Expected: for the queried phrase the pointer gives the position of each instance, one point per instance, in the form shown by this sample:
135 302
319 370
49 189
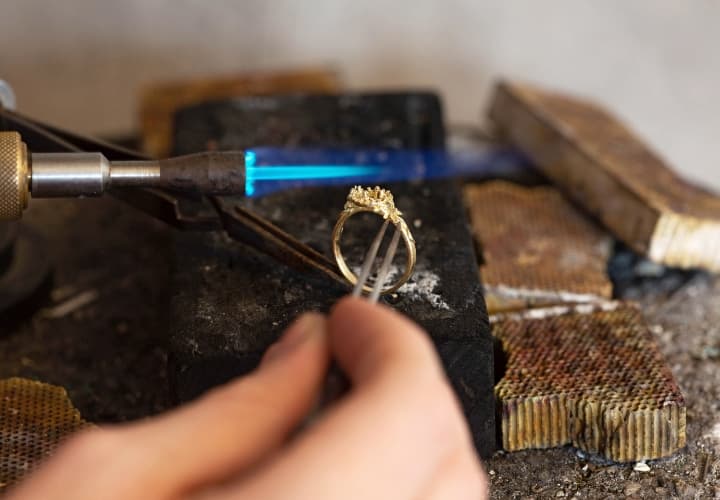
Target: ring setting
377 200
380 202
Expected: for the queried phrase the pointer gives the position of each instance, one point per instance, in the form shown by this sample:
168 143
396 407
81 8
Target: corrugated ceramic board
608 170
34 418
537 248
591 376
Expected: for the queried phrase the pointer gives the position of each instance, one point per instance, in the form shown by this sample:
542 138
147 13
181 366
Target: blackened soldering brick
380 120
231 302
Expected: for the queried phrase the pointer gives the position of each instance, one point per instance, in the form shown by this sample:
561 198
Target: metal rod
134 173
369 259
385 268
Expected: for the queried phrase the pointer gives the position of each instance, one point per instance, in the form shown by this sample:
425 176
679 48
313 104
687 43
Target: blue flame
272 169
249 172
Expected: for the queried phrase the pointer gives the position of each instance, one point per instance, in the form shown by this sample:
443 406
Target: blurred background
81 64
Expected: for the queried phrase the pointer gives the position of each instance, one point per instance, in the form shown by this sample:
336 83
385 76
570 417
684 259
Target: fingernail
304 328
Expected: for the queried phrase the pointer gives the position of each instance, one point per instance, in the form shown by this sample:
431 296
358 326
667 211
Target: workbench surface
110 354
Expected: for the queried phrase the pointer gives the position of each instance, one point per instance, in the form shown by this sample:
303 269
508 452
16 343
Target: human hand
398 434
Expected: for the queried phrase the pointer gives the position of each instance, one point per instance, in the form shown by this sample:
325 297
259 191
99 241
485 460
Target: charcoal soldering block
231 302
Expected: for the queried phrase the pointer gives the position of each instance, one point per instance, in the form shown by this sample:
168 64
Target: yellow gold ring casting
378 201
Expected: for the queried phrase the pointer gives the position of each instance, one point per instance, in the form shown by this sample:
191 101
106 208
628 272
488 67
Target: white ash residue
422 287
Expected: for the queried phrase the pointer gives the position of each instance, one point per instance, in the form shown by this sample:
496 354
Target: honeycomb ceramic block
590 376
606 168
537 248
34 418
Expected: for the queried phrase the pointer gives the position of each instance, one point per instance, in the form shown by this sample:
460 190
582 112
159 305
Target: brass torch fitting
13 175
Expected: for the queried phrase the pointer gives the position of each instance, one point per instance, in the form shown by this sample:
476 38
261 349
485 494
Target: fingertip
311 320
353 310
348 303
367 337
308 326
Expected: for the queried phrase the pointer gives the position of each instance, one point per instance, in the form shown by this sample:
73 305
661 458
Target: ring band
380 202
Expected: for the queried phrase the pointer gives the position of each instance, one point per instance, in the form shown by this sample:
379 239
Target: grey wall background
80 63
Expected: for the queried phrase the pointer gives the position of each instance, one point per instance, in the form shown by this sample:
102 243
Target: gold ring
378 201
